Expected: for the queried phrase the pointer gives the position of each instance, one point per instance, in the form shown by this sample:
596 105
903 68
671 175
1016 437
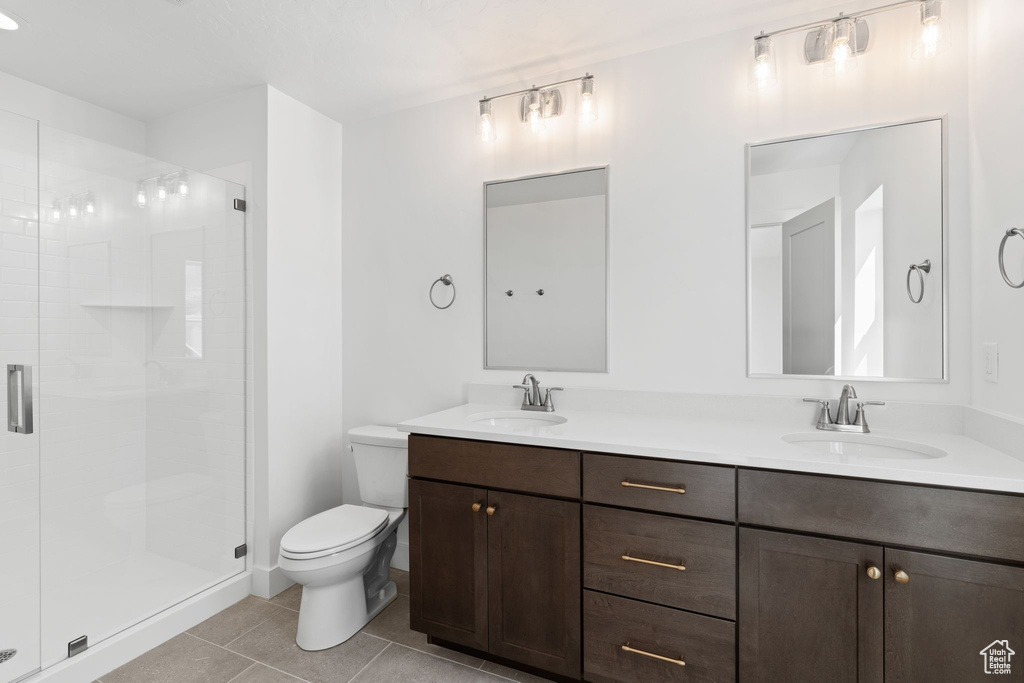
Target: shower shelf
127 306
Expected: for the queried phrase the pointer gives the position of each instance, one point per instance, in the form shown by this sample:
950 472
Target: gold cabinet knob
874 573
477 506
491 509
901 576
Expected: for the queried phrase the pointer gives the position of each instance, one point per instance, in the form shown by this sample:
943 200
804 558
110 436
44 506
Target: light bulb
485 127
56 213
536 122
140 197
183 184
588 104
161 190
90 205
843 34
934 36
763 75
533 112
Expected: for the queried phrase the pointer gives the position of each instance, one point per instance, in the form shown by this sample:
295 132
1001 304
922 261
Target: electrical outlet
991 362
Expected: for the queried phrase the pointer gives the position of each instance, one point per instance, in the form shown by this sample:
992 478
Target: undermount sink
865 447
517 419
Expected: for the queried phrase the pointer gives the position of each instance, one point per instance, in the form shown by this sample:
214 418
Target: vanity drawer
709 491
961 522
705 644
547 471
706 550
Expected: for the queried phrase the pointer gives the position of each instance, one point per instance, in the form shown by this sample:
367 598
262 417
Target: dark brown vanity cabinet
940 623
492 570
815 608
610 568
809 609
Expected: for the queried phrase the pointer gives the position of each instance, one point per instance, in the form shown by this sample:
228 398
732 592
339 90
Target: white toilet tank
382 465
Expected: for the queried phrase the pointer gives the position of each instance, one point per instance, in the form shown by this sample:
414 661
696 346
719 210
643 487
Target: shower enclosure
122 338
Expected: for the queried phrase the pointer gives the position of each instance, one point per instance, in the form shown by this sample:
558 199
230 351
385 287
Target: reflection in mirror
546 278
845 243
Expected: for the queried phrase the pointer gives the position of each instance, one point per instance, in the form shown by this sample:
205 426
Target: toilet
342 557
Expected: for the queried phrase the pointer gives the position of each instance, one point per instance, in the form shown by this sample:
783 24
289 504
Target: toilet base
326 617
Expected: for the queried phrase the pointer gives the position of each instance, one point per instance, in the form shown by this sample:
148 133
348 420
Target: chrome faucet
843 410
531 395
842 422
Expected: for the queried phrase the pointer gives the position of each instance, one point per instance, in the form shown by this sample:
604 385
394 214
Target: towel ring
1002 259
920 269
447 281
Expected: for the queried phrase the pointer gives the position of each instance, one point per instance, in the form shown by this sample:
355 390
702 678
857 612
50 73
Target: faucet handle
526 393
860 419
825 416
548 403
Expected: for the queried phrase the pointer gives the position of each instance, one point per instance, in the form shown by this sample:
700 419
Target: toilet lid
333 531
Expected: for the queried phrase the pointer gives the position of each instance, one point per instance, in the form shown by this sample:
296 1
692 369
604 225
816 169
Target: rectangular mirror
546 280
845 255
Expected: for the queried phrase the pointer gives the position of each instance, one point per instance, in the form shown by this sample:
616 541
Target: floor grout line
251 659
225 645
371 661
445 659
239 673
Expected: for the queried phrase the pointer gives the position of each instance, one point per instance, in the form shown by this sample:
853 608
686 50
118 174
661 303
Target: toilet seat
333 531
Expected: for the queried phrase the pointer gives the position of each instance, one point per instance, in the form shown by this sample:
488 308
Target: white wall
67 113
997 203
304 341
673 124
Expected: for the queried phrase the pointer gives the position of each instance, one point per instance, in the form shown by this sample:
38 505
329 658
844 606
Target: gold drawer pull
627 648
628 558
652 487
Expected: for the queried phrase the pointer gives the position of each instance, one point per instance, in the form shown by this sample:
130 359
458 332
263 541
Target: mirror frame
607 268
944 141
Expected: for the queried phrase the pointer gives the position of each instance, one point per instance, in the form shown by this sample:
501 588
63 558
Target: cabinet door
533 551
448 562
808 609
952 620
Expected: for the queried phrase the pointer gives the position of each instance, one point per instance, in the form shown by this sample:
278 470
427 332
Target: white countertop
750 443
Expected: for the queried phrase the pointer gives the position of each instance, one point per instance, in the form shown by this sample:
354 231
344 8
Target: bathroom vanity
603 566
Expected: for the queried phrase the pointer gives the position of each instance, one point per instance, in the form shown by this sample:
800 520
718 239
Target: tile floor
253 641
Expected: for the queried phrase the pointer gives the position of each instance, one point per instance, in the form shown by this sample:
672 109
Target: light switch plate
991 362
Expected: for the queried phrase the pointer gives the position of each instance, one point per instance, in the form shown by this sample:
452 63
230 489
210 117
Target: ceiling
345 58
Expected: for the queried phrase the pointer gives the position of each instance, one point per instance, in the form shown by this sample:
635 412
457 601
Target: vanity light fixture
531 107
537 104
485 127
763 74
587 109
163 186
837 42
934 36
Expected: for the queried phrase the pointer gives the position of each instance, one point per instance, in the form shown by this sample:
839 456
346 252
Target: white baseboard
111 653
400 560
266 583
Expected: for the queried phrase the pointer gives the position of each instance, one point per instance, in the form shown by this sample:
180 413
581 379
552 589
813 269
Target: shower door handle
19 399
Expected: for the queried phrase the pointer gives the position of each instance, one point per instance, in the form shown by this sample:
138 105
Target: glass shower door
142 387
19 357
